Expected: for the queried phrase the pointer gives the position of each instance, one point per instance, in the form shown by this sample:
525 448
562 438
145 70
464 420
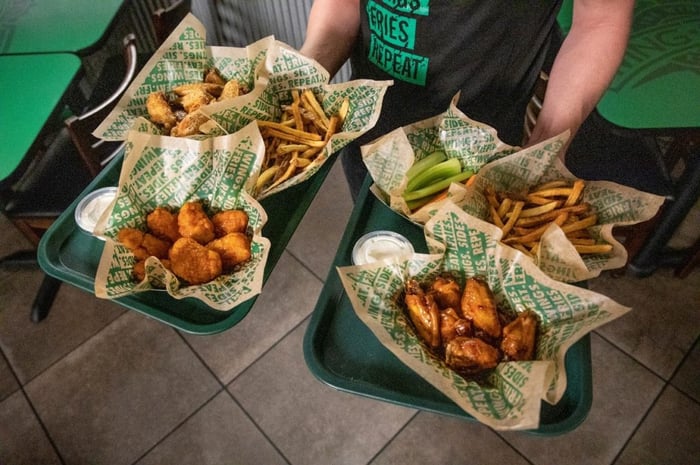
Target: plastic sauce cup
91 208
381 246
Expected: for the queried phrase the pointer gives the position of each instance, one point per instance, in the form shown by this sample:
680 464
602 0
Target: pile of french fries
524 218
297 139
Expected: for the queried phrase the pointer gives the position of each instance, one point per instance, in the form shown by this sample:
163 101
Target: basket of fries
564 224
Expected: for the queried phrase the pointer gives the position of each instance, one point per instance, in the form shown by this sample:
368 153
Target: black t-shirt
490 51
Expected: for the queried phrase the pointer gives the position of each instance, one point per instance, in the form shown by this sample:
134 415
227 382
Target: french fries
297 139
524 218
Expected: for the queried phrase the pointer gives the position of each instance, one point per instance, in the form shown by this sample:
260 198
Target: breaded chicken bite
193 262
163 223
194 223
143 245
229 221
234 249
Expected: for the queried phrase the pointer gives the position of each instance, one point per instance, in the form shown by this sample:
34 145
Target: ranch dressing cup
92 207
381 246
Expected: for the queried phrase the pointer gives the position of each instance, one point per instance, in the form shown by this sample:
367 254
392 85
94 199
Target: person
491 52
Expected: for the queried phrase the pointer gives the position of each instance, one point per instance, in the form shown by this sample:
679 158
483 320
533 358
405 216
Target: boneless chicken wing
229 221
143 244
234 249
193 262
194 223
163 223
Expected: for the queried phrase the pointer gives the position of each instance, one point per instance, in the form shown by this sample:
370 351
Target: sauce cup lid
91 208
381 246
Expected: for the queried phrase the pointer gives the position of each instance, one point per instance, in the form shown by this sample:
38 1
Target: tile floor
97 384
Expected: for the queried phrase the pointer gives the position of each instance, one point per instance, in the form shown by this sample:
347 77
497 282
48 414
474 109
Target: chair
166 19
96 153
56 177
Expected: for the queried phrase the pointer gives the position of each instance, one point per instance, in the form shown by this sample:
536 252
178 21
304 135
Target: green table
29 99
42 26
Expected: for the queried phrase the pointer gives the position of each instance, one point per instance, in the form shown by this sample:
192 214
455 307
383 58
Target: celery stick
433 174
436 186
426 162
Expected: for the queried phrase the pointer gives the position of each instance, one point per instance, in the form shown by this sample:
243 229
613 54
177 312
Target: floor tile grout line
257 426
642 364
175 428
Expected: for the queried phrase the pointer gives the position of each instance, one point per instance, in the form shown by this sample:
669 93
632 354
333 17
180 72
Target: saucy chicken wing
453 325
194 223
193 262
423 312
159 110
471 355
518 342
478 305
446 291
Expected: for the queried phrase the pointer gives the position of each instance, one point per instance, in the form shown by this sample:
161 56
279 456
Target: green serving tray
343 353
71 255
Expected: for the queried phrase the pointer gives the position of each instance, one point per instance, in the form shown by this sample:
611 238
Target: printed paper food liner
511 169
389 157
269 68
510 398
182 58
615 205
169 171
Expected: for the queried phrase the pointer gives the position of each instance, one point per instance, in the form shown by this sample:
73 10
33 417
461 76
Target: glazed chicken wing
159 110
194 223
470 355
423 312
234 249
189 125
229 221
193 262
446 291
518 342
478 305
163 223
453 325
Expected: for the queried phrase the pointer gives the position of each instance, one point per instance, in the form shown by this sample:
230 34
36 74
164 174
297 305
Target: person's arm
333 26
585 65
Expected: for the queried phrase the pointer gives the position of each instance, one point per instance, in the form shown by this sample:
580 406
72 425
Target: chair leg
44 298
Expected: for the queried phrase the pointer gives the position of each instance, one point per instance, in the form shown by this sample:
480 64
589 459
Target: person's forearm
331 32
584 67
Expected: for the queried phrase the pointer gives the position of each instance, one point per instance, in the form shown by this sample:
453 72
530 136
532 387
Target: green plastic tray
69 254
343 353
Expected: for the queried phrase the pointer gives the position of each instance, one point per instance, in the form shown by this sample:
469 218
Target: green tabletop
658 83
29 93
40 26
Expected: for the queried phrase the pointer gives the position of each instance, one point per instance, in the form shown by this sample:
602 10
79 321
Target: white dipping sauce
91 208
381 246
